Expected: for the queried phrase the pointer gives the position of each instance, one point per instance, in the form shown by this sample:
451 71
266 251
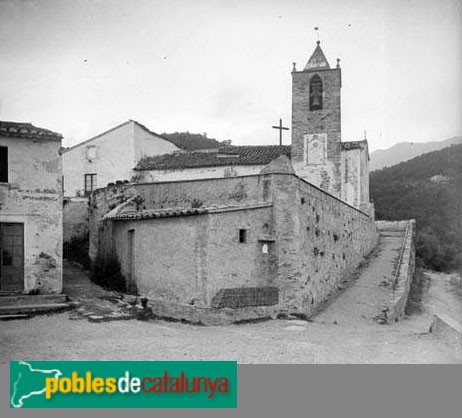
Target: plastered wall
33 197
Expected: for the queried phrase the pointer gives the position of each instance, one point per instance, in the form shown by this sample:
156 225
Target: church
318 154
241 233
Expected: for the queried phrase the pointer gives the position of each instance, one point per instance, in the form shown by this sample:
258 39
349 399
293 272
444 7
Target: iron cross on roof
281 128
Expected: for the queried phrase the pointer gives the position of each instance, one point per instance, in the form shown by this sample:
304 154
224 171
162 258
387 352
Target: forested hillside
405 151
429 189
189 141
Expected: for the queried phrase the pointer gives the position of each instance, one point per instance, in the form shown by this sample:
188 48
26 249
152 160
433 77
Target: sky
80 67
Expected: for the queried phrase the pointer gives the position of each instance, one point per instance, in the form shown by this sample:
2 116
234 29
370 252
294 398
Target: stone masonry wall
75 218
187 194
320 240
405 269
33 197
312 239
326 121
149 176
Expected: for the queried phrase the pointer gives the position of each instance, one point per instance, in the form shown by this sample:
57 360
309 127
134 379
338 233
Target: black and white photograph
264 182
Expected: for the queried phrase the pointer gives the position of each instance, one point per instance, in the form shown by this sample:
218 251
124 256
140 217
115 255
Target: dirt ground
334 336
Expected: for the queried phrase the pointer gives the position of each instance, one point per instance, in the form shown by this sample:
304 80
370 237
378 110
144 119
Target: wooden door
11 257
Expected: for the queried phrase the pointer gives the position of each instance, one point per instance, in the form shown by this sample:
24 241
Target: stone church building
318 155
263 231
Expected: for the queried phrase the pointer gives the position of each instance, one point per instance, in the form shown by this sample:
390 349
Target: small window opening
243 236
3 164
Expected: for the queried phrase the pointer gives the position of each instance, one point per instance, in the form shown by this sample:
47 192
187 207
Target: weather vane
316 29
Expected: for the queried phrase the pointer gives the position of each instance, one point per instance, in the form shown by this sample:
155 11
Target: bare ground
342 333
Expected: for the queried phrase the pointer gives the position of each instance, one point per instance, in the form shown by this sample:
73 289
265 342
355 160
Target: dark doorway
11 257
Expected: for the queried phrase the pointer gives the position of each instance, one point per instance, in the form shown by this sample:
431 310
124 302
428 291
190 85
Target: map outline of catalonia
20 402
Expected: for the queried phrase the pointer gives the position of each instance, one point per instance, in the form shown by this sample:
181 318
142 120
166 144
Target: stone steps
26 300
13 316
6 312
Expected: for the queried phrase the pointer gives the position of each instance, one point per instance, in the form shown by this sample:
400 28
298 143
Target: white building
106 158
110 157
30 210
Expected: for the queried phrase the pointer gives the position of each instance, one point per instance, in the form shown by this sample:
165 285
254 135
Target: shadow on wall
106 273
76 250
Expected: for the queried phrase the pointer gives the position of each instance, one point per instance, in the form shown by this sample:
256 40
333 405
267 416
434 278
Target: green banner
123 384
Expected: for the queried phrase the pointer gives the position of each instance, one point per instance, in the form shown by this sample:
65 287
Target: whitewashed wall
116 153
149 176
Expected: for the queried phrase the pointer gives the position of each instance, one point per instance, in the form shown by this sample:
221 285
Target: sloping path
363 299
279 341
77 285
444 295
94 302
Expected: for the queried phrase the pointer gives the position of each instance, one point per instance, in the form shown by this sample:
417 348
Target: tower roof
317 60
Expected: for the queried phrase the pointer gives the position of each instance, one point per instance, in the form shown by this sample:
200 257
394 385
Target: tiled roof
160 213
232 155
27 130
176 212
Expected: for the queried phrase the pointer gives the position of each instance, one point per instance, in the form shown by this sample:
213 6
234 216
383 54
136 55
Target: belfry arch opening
316 93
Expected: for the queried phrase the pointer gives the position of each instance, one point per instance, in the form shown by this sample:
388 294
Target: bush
77 250
406 191
106 273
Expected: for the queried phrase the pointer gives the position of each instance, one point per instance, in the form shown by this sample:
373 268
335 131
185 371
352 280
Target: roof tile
27 130
232 155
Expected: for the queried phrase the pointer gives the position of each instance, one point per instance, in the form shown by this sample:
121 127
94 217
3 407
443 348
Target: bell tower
316 130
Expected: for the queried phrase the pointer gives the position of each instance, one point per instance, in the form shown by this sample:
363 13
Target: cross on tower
280 128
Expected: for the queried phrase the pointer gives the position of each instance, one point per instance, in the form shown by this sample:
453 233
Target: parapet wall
405 270
449 330
392 225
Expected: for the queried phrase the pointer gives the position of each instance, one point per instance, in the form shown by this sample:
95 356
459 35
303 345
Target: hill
191 142
407 150
429 189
